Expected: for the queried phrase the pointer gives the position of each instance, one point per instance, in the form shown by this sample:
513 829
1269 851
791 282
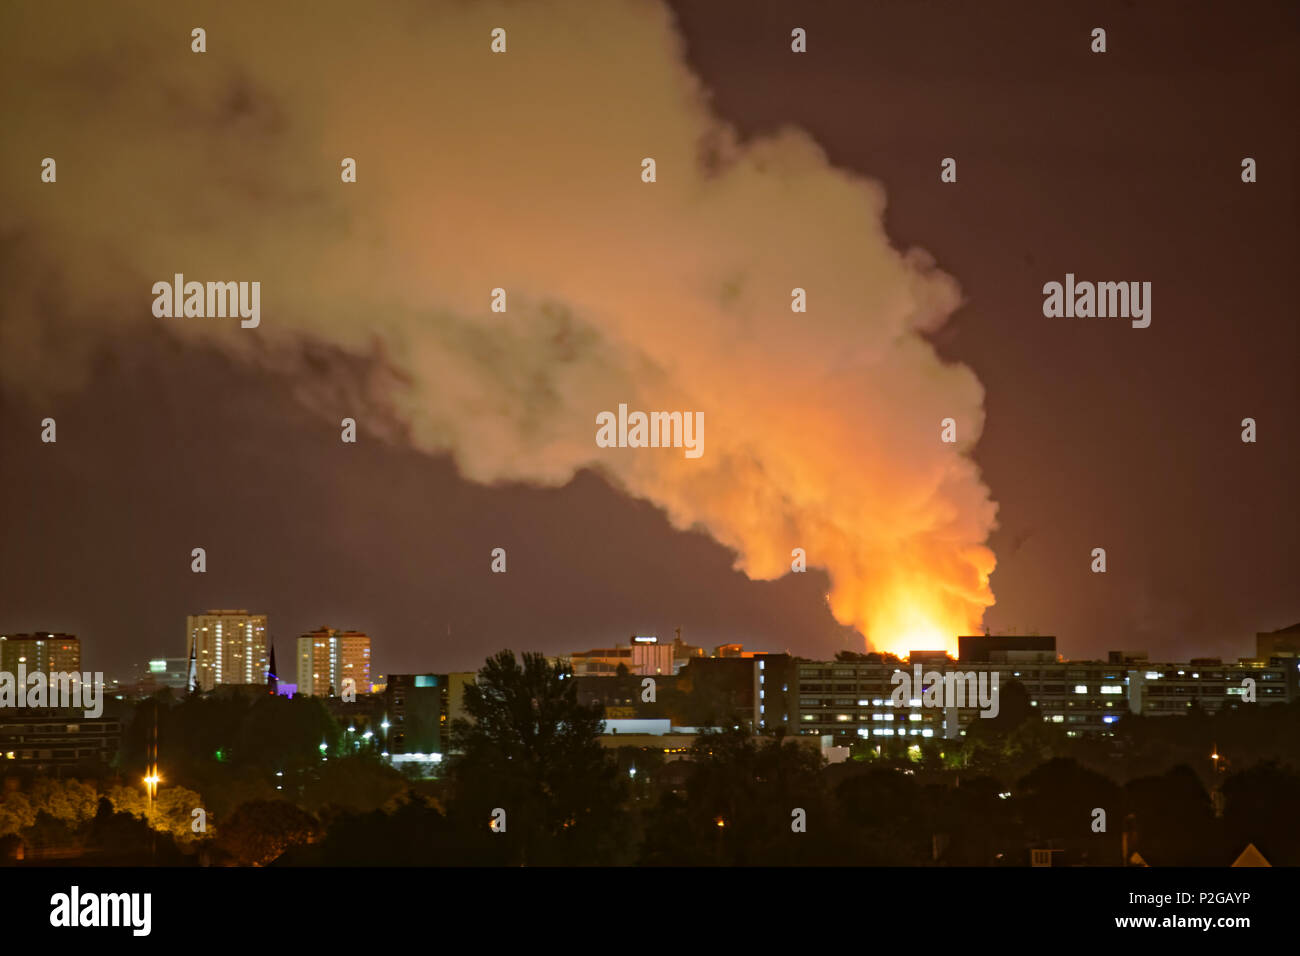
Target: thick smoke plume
520 171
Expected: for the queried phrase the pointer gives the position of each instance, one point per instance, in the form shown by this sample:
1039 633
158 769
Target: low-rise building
643 656
57 741
860 698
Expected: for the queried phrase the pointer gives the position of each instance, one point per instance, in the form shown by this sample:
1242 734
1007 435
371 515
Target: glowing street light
151 781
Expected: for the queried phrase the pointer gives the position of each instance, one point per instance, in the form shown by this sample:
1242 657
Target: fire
920 615
925 635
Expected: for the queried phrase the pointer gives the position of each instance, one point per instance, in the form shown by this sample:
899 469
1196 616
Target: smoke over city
520 172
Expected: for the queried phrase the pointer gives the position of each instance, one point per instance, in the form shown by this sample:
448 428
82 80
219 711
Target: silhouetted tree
738 807
1261 806
258 832
1174 820
1057 802
412 833
121 838
533 751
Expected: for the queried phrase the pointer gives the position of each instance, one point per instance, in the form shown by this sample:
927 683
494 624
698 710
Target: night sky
1122 166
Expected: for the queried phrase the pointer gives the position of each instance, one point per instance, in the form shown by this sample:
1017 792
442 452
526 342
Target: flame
921 614
920 634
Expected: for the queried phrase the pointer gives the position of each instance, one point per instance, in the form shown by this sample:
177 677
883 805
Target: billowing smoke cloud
520 171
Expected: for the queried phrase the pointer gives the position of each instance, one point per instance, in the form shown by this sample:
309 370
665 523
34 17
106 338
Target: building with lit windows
57 741
47 653
644 656
776 692
229 646
326 658
848 700
160 672
415 727
1160 689
856 699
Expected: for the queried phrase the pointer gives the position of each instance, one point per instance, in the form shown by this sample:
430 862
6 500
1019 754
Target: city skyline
352 649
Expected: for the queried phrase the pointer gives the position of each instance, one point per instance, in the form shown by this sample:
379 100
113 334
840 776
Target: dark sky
1123 166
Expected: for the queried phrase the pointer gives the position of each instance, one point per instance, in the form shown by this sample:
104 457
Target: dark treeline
279 781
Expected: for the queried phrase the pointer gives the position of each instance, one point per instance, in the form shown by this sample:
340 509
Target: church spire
194 666
272 682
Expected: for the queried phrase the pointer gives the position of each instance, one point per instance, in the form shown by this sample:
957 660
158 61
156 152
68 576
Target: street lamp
151 777
151 782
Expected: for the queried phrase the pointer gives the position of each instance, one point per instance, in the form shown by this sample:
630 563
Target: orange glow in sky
913 620
916 628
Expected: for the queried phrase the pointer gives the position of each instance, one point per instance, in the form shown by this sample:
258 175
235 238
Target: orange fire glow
924 613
